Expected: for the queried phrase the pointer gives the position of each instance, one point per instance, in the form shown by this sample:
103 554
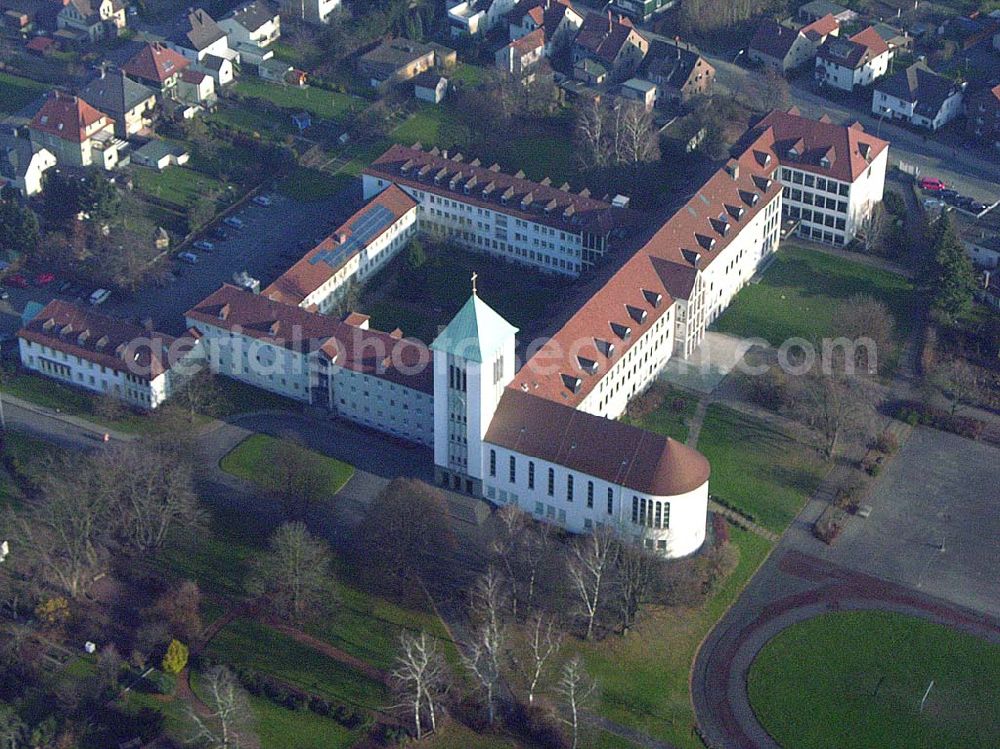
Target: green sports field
855 680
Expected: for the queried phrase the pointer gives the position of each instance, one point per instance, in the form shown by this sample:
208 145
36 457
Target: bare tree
230 724
149 493
591 134
420 678
576 689
635 576
489 597
509 527
872 227
960 382
766 90
200 394
301 478
590 561
868 324
835 404
637 142
543 641
295 572
483 656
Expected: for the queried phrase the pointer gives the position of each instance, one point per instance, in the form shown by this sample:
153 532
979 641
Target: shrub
887 443
176 657
914 412
162 683
720 529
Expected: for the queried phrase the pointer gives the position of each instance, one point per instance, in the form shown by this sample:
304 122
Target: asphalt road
271 240
970 172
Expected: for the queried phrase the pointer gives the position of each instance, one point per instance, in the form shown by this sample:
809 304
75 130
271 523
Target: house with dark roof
76 133
642 11
91 20
558 20
401 60
848 63
982 117
106 355
203 42
157 66
678 70
22 166
784 48
430 87
252 28
129 103
611 41
919 96
816 9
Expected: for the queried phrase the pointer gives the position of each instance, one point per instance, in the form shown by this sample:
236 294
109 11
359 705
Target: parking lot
271 239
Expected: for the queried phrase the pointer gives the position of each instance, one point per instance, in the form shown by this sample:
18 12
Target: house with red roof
156 65
76 133
611 42
784 48
848 63
522 55
558 20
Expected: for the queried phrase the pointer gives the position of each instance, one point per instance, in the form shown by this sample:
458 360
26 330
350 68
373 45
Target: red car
17 281
932 184
44 279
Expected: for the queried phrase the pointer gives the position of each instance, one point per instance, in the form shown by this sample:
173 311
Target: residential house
784 49
129 103
40 46
832 175
401 60
817 9
678 70
848 63
919 96
522 55
982 246
475 17
643 93
641 10
16 22
311 11
982 112
968 31
611 41
106 355
202 41
76 133
158 66
252 28
22 166
558 19
196 88
895 38
91 20
430 87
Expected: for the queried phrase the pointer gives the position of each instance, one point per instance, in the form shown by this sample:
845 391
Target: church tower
473 363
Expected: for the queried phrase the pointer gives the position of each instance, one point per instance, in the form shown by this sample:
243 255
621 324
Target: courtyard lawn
177 185
672 418
326 105
249 461
644 677
432 125
306 184
467 74
855 680
250 644
16 93
757 469
799 294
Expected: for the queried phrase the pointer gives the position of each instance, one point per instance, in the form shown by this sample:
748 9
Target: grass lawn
644 677
253 645
176 184
305 184
432 125
252 121
854 680
799 294
249 461
467 74
672 418
326 105
16 92
758 469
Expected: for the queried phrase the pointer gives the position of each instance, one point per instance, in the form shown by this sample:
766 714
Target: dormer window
572 383
48 324
636 313
824 162
654 298
624 332
605 347
587 365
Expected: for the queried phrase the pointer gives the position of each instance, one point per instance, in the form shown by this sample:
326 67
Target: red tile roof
308 274
155 62
433 171
871 39
821 27
40 44
68 117
529 42
844 147
606 449
371 352
855 52
662 270
106 341
603 36
547 14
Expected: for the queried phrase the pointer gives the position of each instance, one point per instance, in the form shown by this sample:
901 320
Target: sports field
856 680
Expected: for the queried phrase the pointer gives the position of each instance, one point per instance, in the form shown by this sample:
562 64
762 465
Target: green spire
475 333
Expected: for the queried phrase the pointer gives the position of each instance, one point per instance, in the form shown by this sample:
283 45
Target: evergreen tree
18 225
176 657
416 256
952 277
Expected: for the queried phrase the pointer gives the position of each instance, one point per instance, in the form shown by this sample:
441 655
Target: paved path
743 520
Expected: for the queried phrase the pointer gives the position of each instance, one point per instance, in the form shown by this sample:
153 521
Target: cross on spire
474 277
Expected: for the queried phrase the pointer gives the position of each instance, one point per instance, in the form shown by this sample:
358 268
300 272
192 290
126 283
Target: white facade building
919 96
474 17
849 63
105 355
22 166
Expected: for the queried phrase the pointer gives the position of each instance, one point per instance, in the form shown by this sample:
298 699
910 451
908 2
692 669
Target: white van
99 297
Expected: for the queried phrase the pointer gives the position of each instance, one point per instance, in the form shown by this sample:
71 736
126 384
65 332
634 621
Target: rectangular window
552 482
611 501
666 515
531 474
493 462
635 510
513 469
590 494
569 488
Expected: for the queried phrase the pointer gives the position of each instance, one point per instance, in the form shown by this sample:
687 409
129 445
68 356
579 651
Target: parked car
99 296
65 287
44 279
233 222
17 281
4 295
947 194
204 245
220 234
932 184
188 257
932 203
975 207
264 200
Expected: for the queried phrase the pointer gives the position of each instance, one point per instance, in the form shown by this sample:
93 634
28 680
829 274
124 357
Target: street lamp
878 130
738 55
